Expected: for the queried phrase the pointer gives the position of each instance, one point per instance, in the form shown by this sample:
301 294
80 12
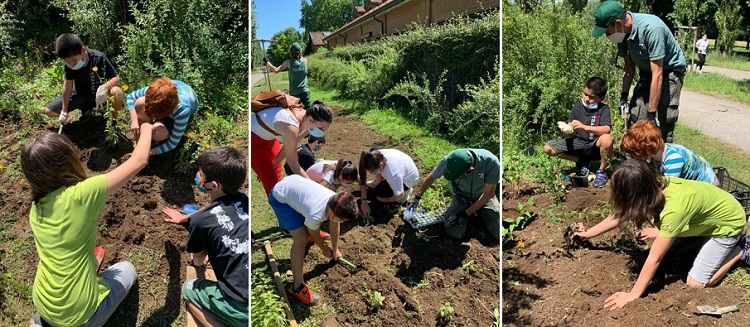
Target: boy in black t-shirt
306 153
591 120
219 231
89 80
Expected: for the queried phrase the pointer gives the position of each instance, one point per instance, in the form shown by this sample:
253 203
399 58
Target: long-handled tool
265 68
279 284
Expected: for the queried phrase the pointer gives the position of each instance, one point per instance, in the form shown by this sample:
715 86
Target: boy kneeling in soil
592 122
84 86
220 231
474 175
679 208
301 205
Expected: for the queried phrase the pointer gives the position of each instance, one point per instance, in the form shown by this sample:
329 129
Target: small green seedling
446 312
469 267
367 220
376 300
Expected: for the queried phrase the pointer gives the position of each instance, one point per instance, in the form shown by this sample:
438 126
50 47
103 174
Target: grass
718 85
716 152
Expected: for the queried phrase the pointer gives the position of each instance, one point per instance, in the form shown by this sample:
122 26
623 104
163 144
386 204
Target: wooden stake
279 284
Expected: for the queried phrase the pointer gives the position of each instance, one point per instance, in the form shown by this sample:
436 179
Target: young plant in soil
445 313
376 300
469 267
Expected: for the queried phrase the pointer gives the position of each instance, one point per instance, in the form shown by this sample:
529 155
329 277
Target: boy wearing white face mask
591 120
89 80
647 43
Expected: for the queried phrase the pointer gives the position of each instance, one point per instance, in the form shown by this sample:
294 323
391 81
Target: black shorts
83 102
169 124
576 147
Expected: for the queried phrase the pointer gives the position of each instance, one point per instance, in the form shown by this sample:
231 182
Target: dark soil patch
545 285
131 228
415 274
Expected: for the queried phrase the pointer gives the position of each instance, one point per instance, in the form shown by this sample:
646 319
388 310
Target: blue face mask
592 106
317 132
199 184
316 148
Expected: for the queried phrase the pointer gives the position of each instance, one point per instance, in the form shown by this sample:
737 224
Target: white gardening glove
63 118
101 96
564 127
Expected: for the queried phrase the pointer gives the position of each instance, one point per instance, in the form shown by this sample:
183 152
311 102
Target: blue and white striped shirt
188 105
681 162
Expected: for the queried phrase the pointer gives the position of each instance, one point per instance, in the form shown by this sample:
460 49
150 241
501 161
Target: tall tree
728 20
256 51
280 42
325 15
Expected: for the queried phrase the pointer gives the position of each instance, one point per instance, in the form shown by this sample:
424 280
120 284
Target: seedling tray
738 189
422 218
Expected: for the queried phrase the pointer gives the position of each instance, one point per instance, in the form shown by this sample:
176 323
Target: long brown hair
637 193
368 161
49 162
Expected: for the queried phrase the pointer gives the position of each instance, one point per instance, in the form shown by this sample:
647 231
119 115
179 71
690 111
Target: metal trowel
714 311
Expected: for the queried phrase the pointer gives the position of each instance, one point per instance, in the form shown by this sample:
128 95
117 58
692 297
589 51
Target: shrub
267 309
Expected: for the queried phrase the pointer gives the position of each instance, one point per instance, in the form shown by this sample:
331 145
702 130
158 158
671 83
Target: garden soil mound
415 274
132 227
545 285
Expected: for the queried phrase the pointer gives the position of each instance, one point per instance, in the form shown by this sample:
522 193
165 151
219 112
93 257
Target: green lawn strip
739 59
716 84
716 152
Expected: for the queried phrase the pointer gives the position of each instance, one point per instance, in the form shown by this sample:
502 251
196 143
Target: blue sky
275 15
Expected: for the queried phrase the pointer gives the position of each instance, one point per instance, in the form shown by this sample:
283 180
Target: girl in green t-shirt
64 210
678 208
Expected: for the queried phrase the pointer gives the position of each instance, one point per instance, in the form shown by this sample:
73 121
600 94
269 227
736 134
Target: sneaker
582 167
601 178
323 234
85 115
745 247
304 295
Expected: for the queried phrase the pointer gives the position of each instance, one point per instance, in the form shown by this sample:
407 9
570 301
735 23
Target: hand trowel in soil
714 311
346 262
99 254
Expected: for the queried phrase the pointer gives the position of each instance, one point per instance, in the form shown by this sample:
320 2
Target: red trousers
263 154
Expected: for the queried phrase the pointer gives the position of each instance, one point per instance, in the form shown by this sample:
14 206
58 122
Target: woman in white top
276 125
332 173
394 167
702 45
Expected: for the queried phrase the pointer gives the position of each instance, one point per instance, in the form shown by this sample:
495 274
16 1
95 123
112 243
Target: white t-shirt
316 173
702 46
399 170
305 196
269 117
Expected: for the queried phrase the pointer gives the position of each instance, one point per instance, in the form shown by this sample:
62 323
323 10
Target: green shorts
207 296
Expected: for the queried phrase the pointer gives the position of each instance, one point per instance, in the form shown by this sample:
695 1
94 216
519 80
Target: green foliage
728 20
443 77
512 223
200 42
469 267
267 305
95 21
256 51
278 51
324 15
8 26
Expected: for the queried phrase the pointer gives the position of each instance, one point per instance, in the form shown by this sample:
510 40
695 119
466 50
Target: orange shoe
305 295
323 234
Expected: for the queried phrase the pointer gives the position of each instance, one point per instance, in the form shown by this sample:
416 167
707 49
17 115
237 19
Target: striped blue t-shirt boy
680 161
187 106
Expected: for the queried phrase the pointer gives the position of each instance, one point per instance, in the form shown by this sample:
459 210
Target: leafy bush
444 77
7 26
267 310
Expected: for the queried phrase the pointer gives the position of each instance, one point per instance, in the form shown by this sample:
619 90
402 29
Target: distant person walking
702 46
652 48
297 66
